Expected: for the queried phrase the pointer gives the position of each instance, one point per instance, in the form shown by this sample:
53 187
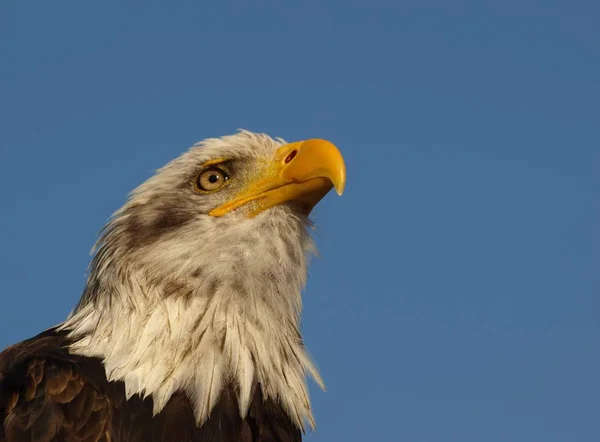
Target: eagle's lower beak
301 172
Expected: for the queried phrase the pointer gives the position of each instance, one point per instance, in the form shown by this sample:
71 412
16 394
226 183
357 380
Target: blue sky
457 298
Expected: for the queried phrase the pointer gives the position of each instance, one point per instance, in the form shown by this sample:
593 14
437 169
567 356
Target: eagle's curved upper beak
302 172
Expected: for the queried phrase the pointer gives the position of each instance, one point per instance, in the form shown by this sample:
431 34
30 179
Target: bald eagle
188 326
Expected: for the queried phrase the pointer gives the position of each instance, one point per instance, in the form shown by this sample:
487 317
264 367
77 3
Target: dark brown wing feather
47 394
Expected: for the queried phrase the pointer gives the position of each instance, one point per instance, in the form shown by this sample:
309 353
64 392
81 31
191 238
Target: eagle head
195 282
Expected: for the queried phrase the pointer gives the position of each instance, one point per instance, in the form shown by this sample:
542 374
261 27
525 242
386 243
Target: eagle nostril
291 156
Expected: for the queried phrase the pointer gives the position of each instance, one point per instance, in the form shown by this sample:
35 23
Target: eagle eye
211 179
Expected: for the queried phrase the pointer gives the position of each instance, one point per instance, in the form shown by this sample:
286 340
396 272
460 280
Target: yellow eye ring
211 179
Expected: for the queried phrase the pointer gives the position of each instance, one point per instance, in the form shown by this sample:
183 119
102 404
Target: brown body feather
48 394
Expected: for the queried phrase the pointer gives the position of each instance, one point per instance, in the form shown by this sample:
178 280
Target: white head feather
178 300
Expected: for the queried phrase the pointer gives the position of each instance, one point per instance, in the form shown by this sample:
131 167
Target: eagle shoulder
48 394
45 394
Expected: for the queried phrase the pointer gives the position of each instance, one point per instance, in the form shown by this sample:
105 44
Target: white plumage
218 302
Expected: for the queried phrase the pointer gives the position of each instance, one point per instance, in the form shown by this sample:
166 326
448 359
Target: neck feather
167 322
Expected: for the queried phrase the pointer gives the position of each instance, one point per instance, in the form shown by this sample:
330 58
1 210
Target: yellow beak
302 172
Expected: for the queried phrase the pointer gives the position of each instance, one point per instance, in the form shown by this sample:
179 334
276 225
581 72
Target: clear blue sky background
458 294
